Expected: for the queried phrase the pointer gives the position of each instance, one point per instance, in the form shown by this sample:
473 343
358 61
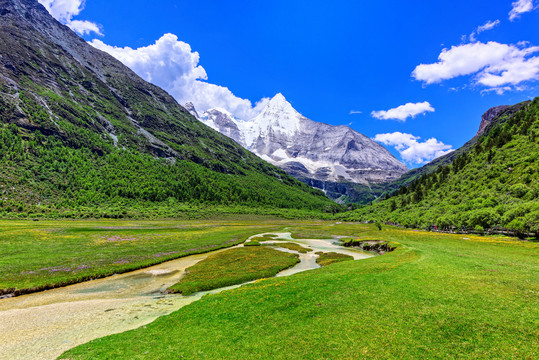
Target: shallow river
43 325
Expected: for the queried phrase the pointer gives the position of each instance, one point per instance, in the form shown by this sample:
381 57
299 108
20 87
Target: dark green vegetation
231 267
294 247
380 247
437 296
325 259
82 135
502 113
494 184
37 256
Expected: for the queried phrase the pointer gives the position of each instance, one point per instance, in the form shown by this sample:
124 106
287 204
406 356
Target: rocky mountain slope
80 128
341 161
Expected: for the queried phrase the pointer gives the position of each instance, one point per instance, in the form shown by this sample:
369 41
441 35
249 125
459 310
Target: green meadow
325 259
294 247
46 254
437 296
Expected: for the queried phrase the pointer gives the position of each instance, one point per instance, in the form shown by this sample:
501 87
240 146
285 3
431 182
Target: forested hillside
494 184
79 129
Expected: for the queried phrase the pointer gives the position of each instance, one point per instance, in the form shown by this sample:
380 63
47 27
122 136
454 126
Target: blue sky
331 58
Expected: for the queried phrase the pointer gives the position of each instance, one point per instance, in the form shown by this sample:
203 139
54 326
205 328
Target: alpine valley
132 227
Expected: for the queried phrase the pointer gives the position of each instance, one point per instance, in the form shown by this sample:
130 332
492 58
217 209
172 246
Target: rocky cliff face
316 153
488 116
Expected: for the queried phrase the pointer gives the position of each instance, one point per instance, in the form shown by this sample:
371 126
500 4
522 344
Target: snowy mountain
322 155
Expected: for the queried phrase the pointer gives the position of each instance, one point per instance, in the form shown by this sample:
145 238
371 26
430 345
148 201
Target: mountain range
347 165
83 135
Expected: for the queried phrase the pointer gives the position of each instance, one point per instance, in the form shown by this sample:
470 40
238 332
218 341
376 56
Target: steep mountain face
336 159
58 92
488 116
225 122
490 183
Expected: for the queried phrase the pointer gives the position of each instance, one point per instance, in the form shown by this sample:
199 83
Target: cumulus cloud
412 150
520 7
493 64
65 10
171 64
403 112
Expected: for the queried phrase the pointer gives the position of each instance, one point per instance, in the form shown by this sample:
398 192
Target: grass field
235 266
294 247
46 254
325 259
436 296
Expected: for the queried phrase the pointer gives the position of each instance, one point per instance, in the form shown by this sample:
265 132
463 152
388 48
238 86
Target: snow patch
280 154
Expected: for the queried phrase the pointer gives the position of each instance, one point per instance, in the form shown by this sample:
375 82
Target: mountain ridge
493 117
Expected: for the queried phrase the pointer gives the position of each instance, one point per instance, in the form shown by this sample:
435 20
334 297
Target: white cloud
501 90
84 27
489 25
520 7
514 72
403 112
354 112
172 65
413 151
64 10
493 64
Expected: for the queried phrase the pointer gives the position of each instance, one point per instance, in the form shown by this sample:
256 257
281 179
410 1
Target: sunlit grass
437 296
329 258
41 255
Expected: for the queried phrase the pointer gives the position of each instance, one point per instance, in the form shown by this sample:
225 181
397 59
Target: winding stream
43 325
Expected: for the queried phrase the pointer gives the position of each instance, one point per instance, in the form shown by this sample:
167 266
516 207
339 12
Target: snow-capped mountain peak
314 152
277 116
279 103
225 122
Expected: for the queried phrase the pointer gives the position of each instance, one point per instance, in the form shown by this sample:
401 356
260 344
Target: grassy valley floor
47 254
435 296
